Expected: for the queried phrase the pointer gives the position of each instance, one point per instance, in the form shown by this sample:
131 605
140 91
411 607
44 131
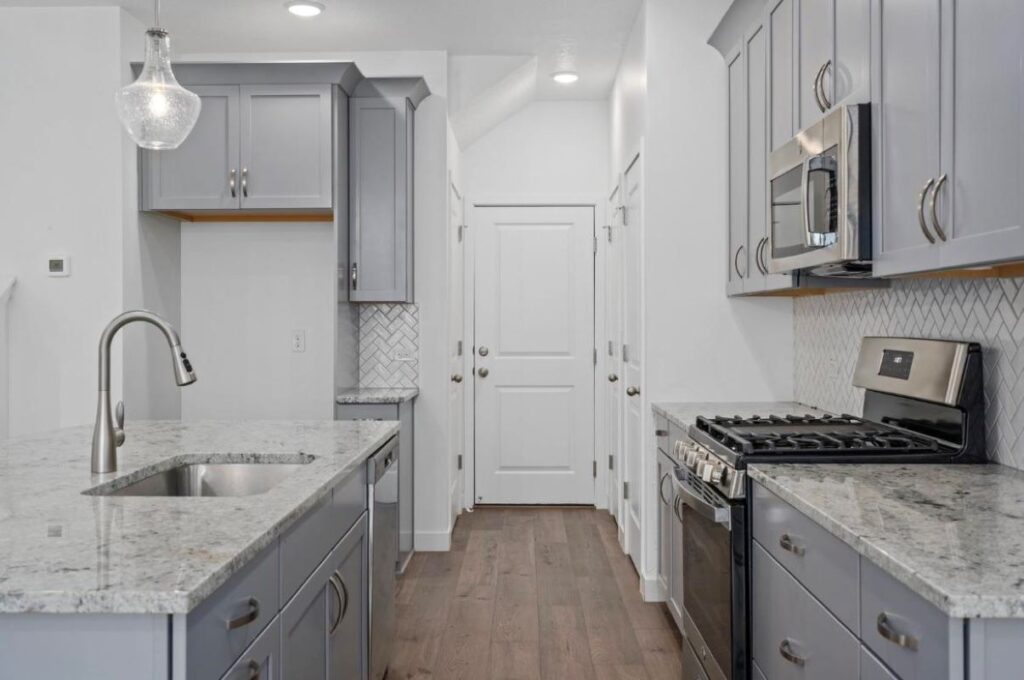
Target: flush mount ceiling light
157 112
565 77
304 8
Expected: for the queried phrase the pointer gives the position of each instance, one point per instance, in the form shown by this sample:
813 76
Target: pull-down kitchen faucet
108 433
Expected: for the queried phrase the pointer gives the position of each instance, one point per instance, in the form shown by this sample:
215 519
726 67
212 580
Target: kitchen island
118 584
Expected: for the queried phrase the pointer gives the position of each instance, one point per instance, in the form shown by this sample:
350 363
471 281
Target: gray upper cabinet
287 146
980 205
949 101
779 24
738 232
380 199
199 174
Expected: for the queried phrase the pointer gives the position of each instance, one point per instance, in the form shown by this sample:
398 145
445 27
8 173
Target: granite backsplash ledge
828 330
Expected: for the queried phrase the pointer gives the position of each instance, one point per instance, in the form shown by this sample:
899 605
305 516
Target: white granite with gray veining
65 552
377 395
953 534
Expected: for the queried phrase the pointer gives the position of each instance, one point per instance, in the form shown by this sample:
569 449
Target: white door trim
601 217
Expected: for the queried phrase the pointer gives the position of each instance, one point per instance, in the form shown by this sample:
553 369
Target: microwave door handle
805 182
714 513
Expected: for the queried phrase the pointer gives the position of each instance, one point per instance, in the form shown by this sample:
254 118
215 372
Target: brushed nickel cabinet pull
736 261
255 670
231 183
355 276
786 543
248 617
661 488
920 210
245 182
904 640
935 216
817 89
786 650
825 103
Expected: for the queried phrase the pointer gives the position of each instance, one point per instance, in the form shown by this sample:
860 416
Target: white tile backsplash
389 352
828 330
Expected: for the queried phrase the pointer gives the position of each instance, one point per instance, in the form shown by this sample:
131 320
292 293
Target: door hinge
459 460
625 490
609 228
595 356
611 348
458 348
459 231
595 245
625 354
595 469
611 461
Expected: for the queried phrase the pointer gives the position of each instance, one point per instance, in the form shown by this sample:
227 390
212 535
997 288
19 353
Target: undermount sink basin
209 479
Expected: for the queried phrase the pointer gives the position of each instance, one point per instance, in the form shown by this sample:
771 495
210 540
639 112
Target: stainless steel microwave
819 197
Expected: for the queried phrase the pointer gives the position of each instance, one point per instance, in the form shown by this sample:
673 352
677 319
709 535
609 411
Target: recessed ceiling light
304 8
565 77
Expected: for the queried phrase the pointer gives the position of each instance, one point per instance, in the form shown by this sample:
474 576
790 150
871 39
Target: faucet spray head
183 373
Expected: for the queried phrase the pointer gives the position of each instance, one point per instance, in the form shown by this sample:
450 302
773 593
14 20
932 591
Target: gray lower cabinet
403 413
670 532
262 661
254 147
348 638
380 199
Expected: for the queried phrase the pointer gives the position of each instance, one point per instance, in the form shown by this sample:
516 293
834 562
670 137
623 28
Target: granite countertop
953 534
377 395
65 552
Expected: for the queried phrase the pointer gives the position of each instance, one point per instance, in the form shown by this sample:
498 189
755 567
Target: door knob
484 351
632 391
483 372
613 378
456 378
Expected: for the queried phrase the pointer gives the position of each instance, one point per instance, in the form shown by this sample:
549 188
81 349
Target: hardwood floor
529 593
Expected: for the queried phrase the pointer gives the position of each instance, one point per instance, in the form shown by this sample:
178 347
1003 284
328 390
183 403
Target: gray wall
828 330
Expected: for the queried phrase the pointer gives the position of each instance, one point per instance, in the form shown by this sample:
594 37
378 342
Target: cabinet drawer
308 542
262 659
911 636
794 637
249 599
873 669
661 433
821 562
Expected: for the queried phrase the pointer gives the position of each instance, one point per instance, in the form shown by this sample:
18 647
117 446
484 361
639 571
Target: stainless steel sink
209 479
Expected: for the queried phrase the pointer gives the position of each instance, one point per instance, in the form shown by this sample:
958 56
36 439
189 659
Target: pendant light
157 112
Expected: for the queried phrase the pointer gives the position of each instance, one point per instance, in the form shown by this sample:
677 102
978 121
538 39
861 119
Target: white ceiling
583 35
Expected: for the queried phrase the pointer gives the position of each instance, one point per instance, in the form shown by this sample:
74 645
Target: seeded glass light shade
157 112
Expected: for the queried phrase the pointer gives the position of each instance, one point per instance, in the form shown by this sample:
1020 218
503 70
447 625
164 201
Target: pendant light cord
156 12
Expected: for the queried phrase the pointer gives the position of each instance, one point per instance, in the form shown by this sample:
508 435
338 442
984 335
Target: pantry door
534 361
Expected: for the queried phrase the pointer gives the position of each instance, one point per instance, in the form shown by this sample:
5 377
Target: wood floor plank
531 593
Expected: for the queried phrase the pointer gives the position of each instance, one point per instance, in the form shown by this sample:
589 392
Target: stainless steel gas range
923 403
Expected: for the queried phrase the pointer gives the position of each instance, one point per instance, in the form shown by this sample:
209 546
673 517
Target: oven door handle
702 507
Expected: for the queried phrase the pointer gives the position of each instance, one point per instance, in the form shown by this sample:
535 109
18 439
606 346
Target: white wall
63 175
245 286
556 149
699 345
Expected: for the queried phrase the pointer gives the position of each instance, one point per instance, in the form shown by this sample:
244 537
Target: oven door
714 578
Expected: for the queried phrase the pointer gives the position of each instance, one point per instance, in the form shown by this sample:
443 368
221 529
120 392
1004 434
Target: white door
612 383
534 316
632 346
456 348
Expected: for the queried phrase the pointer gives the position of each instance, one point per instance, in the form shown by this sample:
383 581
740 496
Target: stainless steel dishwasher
383 480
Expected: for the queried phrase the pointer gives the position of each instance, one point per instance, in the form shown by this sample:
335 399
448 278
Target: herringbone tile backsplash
389 352
828 330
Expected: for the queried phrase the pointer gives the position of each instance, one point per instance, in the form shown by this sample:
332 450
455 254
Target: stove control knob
717 474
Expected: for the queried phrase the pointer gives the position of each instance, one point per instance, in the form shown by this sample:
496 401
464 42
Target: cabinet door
738 252
907 134
984 89
757 157
304 625
779 23
287 146
348 613
262 660
815 48
380 176
664 524
675 580
849 80
198 174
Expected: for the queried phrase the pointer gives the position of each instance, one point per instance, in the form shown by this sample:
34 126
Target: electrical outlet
403 355
299 341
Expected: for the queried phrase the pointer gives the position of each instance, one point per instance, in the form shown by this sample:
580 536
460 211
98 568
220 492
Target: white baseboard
433 541
651 590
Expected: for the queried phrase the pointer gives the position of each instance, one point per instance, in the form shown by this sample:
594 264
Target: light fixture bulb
565 77
304 8
157 112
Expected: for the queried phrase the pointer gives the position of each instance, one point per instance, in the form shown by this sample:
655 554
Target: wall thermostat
58 265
